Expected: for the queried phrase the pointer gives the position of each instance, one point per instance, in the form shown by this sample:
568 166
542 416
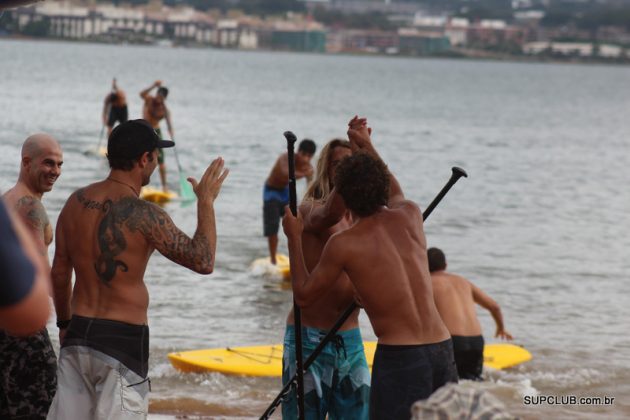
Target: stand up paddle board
267 360
155 195
263 266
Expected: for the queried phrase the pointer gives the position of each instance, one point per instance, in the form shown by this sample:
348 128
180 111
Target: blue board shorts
337 384
274 202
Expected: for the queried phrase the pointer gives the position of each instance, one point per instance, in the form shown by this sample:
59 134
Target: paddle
456 174
185 189
297 313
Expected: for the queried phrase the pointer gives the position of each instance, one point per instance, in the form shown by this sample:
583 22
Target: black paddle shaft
455 175
297 313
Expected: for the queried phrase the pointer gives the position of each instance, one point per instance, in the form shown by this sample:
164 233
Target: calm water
541 224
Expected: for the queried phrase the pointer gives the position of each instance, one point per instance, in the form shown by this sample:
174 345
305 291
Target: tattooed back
104 234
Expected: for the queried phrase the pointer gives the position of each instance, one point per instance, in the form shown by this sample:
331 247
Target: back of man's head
307 146
437 259
163 91
363 183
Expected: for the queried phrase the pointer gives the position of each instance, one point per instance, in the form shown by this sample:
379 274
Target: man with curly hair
384 254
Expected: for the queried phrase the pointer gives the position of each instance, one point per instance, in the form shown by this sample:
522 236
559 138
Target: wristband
63 324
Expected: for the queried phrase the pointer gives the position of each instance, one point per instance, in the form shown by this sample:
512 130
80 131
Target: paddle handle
297 313
291 139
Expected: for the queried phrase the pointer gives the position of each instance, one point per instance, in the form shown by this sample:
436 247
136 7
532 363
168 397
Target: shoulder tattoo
33 213
154 224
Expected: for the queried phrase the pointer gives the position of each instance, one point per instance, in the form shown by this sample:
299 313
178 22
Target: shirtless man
384 255
154 110
31 360
455 298
276 191
337 384
114 108
106 234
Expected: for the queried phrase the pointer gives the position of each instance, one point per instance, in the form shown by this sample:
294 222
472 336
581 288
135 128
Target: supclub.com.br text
566 400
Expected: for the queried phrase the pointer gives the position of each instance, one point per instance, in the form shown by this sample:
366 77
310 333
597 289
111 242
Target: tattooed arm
196 253
34 216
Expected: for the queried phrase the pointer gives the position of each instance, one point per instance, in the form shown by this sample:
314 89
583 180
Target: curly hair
363 183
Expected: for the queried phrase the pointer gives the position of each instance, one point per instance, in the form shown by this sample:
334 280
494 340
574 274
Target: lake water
542 223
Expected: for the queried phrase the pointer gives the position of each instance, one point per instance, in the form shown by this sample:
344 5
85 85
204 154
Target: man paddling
455 298
276 190
106 234
384 255
154 110
337 384
114 108
29 364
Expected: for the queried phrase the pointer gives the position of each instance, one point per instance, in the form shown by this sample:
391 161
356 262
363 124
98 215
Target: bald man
28 366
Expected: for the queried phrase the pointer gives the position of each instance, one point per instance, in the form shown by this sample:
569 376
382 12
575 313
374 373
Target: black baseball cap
134 137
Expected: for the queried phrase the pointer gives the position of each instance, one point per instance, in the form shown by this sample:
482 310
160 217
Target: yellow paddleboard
504 355
155 195
267 360
263 266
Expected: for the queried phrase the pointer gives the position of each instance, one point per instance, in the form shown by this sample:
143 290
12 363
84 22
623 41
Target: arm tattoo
154 224
33 213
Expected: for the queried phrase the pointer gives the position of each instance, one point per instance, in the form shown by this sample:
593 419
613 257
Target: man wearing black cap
106 234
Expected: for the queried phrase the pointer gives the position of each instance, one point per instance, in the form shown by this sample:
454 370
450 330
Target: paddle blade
185 189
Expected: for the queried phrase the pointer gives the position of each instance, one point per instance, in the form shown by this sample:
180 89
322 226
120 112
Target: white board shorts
93 385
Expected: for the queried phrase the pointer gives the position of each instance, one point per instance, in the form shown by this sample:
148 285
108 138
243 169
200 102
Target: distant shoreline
455 54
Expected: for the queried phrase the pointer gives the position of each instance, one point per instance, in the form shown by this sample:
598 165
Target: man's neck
129 178
23 188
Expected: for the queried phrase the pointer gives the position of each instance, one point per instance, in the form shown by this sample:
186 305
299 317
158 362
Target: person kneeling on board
106 234
384 255
455 298
338 382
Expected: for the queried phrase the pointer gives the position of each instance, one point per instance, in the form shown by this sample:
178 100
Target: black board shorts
127 343
119 114
404 374
468 356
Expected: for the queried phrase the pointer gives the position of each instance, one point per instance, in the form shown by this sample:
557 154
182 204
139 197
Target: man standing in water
455 298
154 110
384 255
106 234
29 365
114 108
276 190
337 384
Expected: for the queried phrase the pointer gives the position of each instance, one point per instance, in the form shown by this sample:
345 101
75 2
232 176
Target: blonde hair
319 189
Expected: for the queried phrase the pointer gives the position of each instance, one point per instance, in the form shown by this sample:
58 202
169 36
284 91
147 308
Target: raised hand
359 134
210 184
